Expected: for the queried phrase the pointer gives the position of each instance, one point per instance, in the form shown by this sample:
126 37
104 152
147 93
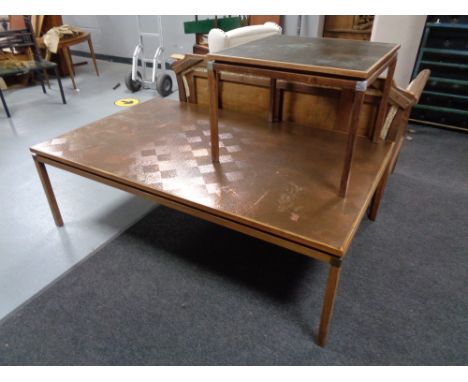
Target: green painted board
441 109
445 64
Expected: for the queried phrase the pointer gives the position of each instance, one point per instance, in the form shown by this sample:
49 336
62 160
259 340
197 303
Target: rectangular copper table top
353 58
280 178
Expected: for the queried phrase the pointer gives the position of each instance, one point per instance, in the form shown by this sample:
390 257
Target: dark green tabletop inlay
325 55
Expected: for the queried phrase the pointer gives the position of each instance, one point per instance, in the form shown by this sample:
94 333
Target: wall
312 25
117 35
406 31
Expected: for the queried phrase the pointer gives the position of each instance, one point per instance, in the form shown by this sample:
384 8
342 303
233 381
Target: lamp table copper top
339 57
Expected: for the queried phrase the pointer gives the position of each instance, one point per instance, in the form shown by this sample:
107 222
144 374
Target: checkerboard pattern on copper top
280 177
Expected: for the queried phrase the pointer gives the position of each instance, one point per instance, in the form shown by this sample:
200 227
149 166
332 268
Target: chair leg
60 85
41 79
93 56
68 60
46 77
4 104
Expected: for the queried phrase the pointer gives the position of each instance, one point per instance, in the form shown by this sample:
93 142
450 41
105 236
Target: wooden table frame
333 261
313 248
353 91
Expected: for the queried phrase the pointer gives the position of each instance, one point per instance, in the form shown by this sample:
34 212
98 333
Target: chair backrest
403 101
417 85
20 39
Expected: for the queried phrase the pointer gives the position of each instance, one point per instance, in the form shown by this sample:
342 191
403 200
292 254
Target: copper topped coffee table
348 65
274 181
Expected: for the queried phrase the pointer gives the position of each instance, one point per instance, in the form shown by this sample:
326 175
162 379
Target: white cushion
218 39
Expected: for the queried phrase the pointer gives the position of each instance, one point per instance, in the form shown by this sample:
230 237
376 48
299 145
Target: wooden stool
64 46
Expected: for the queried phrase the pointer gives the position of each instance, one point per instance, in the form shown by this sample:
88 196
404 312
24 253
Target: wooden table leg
193 87
345 108
399 137
328 302
358 100
93 56
214 132
377 198
272 114
42 171
380 119
397 150
66 54
279 105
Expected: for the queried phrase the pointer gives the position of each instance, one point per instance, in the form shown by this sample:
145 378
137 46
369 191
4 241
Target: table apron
312 79
191 210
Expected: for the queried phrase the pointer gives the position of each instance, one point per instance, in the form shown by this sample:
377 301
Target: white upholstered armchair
218 39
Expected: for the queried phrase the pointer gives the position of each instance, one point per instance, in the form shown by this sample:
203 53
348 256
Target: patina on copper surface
277 177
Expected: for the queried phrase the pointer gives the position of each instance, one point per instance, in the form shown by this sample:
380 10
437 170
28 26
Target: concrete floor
33 251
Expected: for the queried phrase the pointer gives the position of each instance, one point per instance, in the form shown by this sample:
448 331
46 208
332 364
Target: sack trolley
141 76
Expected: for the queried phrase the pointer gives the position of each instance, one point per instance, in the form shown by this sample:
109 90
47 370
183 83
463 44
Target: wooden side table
64 46
348 65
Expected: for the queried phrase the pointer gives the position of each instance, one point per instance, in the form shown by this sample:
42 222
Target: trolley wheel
133 86
164 85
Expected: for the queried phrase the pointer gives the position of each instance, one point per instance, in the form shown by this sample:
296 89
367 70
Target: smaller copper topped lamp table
345 64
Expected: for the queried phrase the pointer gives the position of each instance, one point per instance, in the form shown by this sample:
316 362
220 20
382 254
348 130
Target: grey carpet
175 290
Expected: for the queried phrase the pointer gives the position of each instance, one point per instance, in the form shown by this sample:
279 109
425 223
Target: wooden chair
400 110
15 40
395 126
64 47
